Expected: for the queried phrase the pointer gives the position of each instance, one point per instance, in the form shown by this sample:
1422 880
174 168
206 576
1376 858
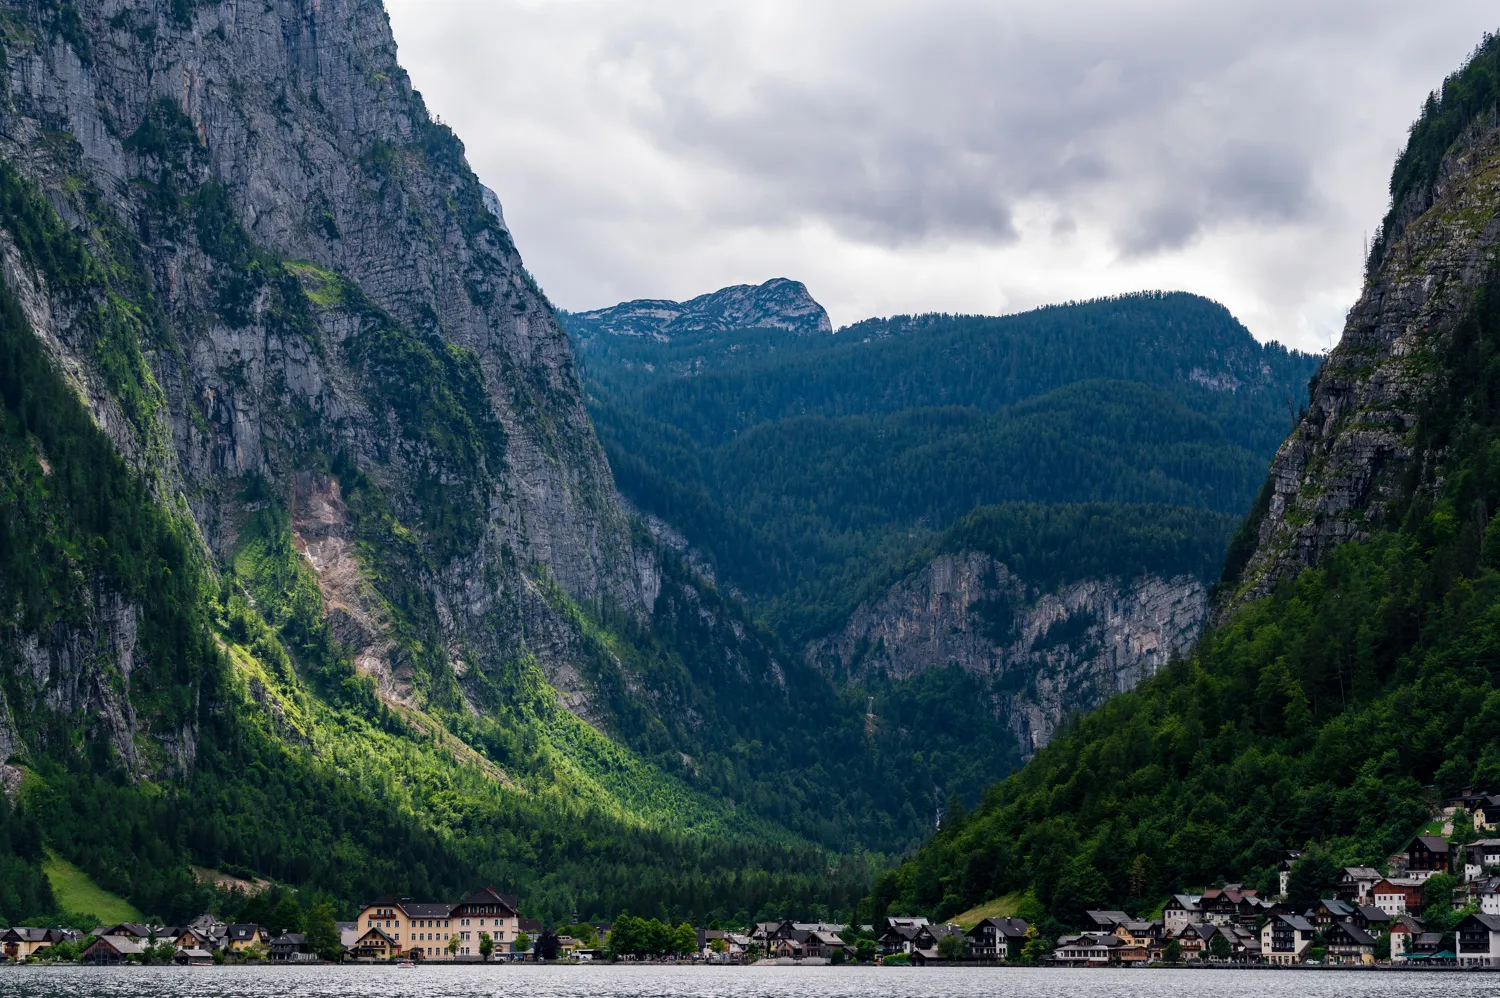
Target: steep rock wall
297 239
1334 478
1046 654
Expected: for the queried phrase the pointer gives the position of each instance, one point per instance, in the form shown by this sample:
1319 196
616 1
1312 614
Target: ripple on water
606 981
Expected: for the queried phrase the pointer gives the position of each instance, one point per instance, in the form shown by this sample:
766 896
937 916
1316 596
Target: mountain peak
779 303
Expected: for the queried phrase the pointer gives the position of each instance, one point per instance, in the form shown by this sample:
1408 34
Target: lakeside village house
1369 904
387 928
1226 924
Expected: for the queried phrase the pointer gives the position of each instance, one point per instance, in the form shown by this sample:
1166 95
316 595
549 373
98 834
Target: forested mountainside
311 565
877 495
1350 678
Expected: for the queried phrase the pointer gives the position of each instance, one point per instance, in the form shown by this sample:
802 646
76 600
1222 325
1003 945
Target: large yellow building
426 931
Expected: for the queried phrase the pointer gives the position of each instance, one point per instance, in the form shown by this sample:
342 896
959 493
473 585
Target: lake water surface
723 982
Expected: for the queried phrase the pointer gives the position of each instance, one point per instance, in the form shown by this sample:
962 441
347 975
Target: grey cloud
661 148
943 122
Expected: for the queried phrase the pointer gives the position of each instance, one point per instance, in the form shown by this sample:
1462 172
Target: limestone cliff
1046 653
1336 475
322 310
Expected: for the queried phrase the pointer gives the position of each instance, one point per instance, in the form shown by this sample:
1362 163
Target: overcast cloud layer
942 155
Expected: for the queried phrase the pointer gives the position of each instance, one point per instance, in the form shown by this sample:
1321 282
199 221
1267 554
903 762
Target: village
1369 918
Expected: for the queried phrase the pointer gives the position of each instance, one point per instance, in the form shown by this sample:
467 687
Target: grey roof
120 944
243 930
1434 843
1360 936
1491 922
1187 901
1337 908
1361 873
1013 928
442 910
1091 939
1297 922
1374 914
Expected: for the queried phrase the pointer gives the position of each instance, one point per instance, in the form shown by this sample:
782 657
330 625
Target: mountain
875 494
1348 683
777 304
312 566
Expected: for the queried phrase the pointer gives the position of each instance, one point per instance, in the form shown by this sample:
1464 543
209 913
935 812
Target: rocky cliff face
1335 476
1046 654
776 304
321 301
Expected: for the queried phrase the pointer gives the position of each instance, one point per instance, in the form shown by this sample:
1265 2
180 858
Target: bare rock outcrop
1046 654
1335 477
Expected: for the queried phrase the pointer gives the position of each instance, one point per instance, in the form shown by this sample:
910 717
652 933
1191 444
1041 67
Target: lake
722 982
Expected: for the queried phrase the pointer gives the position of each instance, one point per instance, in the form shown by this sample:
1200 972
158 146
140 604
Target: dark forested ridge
805 467
1334 713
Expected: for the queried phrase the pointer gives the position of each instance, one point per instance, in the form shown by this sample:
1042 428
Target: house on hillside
1424 856
1398 895
1348 944
1486 813
1284 868
1355 883
1285 939
1331 910
1150 935
1404 930
1194 939
1229 905
998 939
1372 919
1481 857
1181 910
1477 940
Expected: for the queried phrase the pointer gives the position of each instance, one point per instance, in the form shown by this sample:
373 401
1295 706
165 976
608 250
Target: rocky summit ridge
779 303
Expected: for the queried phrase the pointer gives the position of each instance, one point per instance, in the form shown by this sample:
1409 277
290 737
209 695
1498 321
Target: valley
338 562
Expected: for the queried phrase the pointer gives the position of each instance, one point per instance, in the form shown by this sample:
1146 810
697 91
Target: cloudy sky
942 155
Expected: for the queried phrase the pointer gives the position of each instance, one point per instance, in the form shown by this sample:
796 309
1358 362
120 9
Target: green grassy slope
77 894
